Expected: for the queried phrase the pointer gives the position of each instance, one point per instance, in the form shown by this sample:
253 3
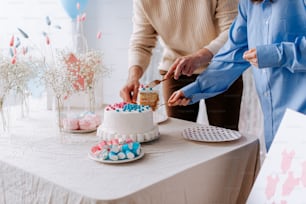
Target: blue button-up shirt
278 31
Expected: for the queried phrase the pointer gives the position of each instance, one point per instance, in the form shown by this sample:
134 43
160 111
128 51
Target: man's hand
178 99
186 65
129 91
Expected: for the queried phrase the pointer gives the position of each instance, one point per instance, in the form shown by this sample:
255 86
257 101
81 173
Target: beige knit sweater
182 26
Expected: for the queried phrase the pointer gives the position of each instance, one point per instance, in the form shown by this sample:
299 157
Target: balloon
74 7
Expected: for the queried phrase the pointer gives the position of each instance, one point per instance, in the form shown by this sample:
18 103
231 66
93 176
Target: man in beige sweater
191 32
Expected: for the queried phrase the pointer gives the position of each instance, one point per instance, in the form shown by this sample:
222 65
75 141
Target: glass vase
22 101
25 109
79 41
79 114
4 119
59 111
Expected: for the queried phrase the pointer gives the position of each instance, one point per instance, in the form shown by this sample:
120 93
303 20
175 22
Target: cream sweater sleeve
183 26
143 39
226 12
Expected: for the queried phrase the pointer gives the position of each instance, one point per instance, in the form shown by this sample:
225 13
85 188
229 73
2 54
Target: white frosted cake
128 121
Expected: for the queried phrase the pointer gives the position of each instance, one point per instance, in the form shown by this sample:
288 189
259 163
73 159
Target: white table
37 167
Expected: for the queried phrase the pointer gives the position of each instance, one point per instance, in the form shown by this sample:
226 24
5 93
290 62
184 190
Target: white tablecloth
36 166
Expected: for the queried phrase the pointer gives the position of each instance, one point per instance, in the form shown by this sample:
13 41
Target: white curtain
251 117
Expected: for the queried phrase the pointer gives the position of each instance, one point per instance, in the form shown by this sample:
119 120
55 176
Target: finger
188 70
255 64
179 69
191 67
175 103
185 70
254 60
171 69
125 96
173 97
176 97
250 54
246 56
253 50
185 101
181 102
135 94
178 102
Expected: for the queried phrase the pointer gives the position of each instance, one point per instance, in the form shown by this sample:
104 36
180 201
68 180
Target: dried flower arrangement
74 71
65 71
17 68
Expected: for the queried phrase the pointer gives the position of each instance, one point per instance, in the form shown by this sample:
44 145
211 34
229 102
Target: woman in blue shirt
271 37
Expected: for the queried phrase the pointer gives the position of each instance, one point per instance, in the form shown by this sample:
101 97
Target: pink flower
12 41
47 40
99 35
78 6
13 61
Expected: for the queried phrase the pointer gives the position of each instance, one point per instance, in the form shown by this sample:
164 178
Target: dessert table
39 165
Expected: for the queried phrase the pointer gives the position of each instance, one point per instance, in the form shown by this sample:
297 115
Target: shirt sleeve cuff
267 56
193 92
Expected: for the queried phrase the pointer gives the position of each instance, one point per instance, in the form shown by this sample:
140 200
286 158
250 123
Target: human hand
129 91
186 65
251 56
178 99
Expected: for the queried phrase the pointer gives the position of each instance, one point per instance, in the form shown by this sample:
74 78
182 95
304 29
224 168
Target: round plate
93 157
80 131
155 138
210 134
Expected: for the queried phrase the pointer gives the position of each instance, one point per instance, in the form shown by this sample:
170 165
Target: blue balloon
71 7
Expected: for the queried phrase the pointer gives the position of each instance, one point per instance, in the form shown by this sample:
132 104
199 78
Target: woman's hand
251 56
178 99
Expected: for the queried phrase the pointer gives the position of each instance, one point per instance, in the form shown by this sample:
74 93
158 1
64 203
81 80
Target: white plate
93 157
80 131
206 133
159 117
155 138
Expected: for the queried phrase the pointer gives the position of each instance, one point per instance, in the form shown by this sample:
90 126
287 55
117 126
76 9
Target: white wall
30 16
114 19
